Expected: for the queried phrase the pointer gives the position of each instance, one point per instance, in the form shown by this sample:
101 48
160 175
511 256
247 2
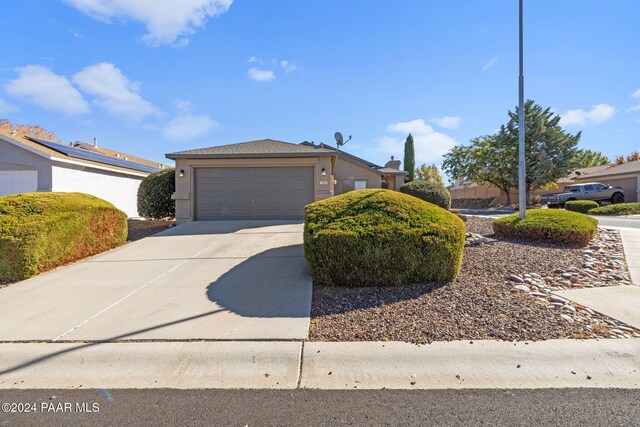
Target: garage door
15 182
252 193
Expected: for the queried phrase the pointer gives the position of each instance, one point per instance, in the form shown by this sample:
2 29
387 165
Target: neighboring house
469 190
269 179
30 164
626 175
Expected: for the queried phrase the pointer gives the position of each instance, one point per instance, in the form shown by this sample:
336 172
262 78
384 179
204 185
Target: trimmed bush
619 209
41 231
548 226
381 238
154 195
582 206
429 192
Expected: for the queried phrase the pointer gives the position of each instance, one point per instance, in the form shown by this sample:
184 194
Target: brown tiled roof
34 146
582 172
392 171
630 167
260 148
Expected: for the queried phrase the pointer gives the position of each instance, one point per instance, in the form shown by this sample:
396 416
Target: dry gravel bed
139 229
482 303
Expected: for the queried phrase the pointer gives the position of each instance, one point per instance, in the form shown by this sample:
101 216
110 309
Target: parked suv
588 191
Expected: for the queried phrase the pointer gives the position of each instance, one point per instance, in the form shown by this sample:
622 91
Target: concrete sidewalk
322 365
619 302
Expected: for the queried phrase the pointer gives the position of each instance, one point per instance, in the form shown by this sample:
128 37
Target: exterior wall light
181 173
324 172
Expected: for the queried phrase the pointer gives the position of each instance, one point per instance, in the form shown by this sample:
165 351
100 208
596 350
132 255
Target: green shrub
619 209
582 206
381 238
548 225
154 195
40 231
429 192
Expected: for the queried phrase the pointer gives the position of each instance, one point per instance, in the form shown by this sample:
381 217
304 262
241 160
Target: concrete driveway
200 280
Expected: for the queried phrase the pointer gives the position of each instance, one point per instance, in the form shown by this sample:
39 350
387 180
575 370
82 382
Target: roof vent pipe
95 142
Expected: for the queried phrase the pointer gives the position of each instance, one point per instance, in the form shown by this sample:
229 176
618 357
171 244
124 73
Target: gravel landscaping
139 229
486 301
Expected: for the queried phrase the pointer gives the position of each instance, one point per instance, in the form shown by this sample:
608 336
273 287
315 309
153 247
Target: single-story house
269 179
626 175
31 164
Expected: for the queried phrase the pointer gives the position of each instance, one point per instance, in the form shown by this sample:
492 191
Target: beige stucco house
626 175
269 179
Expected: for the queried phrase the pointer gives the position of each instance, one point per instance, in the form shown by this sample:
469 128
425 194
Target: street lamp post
522 192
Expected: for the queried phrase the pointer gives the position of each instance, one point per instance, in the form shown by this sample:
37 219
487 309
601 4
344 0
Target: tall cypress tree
410 157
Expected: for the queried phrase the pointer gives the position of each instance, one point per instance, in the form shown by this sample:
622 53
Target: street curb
610 363
180 365
473 364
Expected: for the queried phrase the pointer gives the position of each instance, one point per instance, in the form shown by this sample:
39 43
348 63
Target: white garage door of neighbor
15 182
252 193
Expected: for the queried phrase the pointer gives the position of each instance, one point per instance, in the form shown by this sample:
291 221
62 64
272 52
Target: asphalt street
542 407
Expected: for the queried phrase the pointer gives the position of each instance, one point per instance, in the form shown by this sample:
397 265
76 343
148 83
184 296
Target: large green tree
493 159
429 174
410 157
589 158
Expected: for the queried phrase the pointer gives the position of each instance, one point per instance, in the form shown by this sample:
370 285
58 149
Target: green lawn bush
619 209
41 231
154 195
381 238
549 226
582 206
429 192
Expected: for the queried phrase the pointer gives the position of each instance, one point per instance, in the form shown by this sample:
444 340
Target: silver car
595 191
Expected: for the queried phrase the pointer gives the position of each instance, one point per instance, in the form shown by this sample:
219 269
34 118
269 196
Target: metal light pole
522 192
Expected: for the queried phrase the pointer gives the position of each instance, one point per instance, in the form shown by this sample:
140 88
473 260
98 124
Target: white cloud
6 108
188 126
417 126
636 95
113 91
598 114
166 21
287 66
429 145
490 63
261 75
255 60
448 122
40 86
182 105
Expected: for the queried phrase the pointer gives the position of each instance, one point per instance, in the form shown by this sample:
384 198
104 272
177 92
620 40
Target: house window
360 184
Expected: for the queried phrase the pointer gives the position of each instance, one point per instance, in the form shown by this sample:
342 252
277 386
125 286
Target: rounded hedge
582 206
154 195
549 226
41 231
429 192
618 209
381 238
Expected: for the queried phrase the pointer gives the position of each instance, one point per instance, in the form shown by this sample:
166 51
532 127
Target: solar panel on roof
79 153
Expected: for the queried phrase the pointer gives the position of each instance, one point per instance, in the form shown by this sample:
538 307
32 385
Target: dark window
588 188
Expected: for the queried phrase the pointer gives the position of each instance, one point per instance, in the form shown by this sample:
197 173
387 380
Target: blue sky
167 75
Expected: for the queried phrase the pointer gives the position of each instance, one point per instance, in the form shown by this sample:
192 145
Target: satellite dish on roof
340 140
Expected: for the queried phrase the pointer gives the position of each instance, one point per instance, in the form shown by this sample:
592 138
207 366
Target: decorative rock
567 318
523 288
556 298
516 279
